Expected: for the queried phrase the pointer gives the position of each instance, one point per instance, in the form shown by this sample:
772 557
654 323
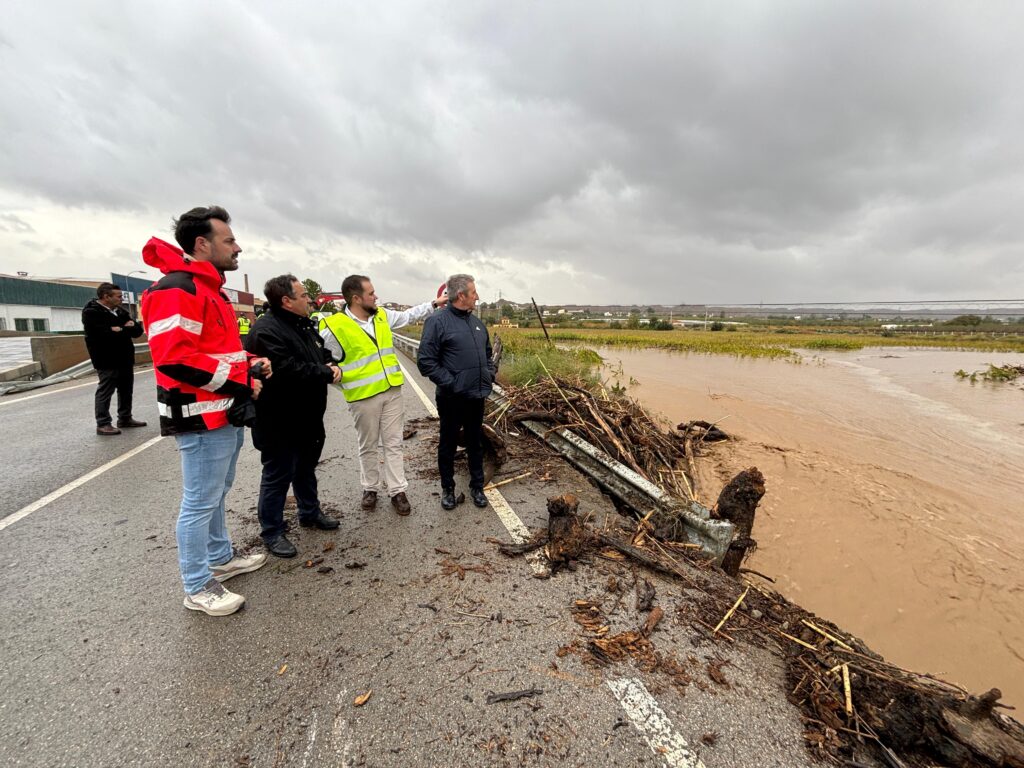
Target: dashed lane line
639 705
654 724
518 531
310 741
66 489
515 527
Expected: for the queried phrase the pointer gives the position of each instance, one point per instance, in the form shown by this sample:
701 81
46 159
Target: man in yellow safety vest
243 325
359 338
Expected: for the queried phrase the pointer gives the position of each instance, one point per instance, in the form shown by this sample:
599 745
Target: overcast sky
651 152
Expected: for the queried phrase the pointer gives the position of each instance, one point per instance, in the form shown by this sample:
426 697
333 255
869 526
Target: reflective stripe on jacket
370 367
193 337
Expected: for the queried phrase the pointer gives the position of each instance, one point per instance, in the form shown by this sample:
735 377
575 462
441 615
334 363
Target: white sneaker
214 600
239 564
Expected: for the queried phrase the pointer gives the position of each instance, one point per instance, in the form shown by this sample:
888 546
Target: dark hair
352 286
196 223
105 289
278 287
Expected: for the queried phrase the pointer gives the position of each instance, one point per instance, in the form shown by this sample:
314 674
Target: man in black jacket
455 354
109 334
289 431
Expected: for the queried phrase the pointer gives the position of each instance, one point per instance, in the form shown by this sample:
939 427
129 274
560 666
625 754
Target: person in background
371 380
289 430
455 354
109 336
201 369
243 325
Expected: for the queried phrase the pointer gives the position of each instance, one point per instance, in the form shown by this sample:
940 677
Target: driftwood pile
852 701
617 425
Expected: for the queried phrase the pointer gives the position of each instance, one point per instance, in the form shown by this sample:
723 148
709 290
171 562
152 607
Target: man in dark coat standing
455 354
289 431
109 337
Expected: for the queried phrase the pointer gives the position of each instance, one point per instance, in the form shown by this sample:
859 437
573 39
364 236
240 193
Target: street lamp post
127 284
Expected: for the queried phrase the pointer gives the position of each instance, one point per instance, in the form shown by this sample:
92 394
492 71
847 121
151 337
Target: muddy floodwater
895 492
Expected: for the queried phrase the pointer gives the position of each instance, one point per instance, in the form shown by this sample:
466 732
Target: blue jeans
207 469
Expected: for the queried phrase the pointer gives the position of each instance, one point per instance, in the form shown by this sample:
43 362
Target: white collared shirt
396 319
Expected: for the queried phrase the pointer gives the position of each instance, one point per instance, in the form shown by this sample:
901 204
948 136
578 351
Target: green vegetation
573 355
995 373
314 289
774 343
525 358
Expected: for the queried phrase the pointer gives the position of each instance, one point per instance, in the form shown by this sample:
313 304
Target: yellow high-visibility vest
243 326
368 369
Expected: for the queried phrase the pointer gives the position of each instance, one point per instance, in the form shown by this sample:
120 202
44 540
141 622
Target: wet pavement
102 666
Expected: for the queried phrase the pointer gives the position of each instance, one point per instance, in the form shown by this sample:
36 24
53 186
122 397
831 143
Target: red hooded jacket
193 336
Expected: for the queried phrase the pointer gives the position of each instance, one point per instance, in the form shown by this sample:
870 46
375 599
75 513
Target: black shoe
281 547
478 496
130 423
319 520
401 504
448 498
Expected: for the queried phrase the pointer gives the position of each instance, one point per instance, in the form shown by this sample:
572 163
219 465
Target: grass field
527 355
771 344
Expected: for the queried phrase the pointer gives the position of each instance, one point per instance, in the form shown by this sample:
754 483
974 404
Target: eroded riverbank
893 502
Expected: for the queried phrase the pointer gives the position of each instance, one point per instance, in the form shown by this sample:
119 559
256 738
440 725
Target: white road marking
518 531
5 401
431 408
66 489
515 527
311 741
339 739
657 729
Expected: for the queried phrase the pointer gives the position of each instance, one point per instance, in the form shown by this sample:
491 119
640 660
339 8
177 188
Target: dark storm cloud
754 151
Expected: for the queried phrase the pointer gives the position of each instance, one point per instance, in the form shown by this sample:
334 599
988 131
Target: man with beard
201 369
360 339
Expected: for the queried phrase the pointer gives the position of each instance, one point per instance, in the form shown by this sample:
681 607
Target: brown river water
895 492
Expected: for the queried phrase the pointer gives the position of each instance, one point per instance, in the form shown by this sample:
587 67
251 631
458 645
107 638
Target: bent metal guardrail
618 480
68 374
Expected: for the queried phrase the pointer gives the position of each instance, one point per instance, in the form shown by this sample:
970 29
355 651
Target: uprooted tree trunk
568 538
737 503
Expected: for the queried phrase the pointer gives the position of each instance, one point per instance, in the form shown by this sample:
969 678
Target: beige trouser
379 423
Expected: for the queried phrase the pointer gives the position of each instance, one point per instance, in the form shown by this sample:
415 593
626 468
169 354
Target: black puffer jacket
455 354
109 349
291 406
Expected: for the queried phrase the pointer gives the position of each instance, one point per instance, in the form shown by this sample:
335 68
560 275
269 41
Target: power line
869 303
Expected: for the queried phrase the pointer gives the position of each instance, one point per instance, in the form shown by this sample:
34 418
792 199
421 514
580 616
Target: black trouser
295 468
466 413
121 379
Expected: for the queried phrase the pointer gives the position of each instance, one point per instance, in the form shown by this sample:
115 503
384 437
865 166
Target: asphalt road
102 666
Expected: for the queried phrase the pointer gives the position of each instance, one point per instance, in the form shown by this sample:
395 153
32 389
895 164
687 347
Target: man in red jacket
201 371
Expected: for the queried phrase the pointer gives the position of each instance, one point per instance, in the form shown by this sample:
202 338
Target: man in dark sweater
109 337
289 431
455 354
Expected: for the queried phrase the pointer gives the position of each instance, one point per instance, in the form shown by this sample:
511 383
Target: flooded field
895 502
